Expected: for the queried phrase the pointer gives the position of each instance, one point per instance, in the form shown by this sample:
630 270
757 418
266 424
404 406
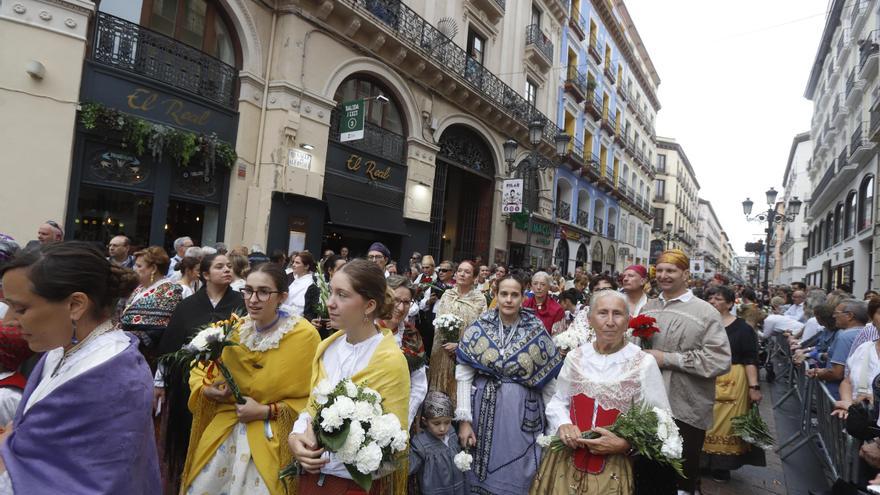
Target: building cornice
603 8
798 139
831 23
667 144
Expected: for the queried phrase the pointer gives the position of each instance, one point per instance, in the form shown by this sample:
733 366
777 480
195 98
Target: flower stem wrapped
752 429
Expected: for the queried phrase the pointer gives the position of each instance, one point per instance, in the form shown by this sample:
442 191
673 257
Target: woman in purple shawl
84 423
506 359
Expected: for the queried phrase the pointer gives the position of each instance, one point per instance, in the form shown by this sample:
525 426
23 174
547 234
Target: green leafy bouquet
323 292
205 349
651 431
752 429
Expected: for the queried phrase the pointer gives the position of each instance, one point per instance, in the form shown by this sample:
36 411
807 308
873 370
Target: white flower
570 339
463 461
544 441
369 458
351 389
322 390
383 429
371 392
330 419
202 339
345 406
672 447
349 450
400 441
364 412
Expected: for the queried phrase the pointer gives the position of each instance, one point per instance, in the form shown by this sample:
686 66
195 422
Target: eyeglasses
842 312
402 302
444 270
375 257
263 295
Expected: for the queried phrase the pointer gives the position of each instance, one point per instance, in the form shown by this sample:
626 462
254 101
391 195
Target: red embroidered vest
581 412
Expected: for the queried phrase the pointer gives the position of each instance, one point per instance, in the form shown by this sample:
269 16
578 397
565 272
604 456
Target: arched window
599 218
829 227
852 200
201 24
384 115
838 222
866 203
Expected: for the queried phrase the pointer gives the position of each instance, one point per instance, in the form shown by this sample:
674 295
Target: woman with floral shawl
506 360
466 302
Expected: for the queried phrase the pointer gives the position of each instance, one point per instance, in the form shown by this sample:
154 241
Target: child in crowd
433 450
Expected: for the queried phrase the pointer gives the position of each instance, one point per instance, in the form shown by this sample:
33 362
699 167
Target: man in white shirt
181 244
780 323
796 310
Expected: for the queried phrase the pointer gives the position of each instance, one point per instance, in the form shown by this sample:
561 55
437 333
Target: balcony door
201 24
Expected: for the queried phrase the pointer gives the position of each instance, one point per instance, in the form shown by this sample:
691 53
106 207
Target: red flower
643 327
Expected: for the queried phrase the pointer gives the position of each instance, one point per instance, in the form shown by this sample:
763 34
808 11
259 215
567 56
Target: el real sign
351 121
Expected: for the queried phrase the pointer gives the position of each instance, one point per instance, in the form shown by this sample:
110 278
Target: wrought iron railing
612 231
576 148
576 79
841 158
875 121
867 47
127 46
598 225
534 36
563 210
850 81
858 138
502 4
823 183
583 218
377 141
423 37
595 164
577 21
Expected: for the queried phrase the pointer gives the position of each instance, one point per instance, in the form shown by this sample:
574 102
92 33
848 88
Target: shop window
198 23
103 213
866 203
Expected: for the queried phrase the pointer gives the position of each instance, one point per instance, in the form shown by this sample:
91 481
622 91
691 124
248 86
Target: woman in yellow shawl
240 449
367 354
466 302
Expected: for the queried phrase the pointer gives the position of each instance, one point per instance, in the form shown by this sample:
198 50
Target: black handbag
860 422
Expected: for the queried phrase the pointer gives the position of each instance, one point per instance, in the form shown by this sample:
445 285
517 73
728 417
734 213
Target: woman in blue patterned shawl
506 360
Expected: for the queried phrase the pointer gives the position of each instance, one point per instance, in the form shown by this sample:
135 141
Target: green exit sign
351 120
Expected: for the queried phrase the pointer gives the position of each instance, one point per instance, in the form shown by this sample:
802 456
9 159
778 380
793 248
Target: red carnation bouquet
643 327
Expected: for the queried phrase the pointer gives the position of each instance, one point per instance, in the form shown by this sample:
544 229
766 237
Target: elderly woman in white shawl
598 382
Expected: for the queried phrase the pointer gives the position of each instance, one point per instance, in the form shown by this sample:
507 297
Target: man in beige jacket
691 350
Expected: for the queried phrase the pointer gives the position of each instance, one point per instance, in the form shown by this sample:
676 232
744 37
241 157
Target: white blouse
341 360
418 381
296 293
861 368
605 377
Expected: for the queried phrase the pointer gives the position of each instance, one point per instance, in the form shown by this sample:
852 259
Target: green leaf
365 481
332 441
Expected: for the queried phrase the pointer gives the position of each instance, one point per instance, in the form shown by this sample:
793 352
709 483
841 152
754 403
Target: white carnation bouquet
449 326
463 461
650 431
570 339
350 423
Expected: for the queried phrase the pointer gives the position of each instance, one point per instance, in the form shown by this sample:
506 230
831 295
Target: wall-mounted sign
521 221
512 196
299 159
351 121
370 168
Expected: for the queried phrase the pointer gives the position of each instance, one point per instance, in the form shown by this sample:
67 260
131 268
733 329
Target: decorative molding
64 17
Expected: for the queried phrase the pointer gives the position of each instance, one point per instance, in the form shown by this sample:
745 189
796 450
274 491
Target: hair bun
387 309
120 282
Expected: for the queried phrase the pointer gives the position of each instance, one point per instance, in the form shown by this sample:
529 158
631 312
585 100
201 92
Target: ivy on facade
141 135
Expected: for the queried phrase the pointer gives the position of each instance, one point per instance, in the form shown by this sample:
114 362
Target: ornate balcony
576 84
396 34
607 123
578 24
377 141
575 154
609 72
583 218
860 147
595 50
875 117
539 48
599 225
593 170
839 112
621 91
868 55
593 106
563 210
612 231
131 48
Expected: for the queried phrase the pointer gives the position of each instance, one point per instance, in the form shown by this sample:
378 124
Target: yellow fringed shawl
388 374
282 375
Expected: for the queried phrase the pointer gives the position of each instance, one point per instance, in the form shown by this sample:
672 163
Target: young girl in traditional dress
431 458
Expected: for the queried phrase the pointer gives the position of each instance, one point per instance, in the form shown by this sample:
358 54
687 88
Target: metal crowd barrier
837 450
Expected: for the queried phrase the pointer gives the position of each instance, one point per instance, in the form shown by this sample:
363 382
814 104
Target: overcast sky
733 76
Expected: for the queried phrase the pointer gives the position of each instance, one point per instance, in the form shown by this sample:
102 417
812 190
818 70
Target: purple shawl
93 434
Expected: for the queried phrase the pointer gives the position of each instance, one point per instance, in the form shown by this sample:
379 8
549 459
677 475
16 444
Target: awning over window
349 212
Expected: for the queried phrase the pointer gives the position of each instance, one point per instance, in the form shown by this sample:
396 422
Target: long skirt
722 449
508 418
441 372
559 476
231 470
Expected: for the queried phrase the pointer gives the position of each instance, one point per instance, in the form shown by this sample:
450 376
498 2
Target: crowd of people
90 406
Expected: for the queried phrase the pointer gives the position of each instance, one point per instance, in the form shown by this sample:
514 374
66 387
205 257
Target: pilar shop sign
351 121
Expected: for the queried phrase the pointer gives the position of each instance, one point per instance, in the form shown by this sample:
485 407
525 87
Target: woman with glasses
409 339
148 310
241 448
465 301
214 301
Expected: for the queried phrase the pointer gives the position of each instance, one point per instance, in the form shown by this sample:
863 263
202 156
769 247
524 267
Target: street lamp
668 235
532 164
771 217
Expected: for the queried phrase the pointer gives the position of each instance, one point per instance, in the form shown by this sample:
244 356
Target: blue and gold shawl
531 357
